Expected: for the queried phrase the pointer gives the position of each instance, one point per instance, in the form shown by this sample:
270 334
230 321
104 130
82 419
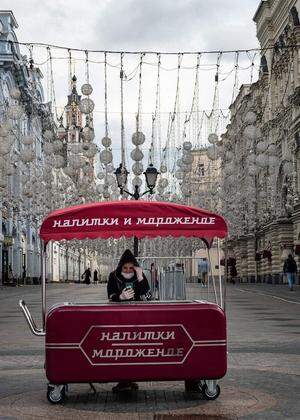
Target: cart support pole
212 277
135 246
43 277
226 273
220 276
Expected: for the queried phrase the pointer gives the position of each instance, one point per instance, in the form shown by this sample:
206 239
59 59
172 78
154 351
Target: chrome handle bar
29 319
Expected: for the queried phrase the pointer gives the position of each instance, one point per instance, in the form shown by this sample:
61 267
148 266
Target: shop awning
132 218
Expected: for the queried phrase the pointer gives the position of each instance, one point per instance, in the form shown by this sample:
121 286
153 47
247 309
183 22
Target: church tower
73 114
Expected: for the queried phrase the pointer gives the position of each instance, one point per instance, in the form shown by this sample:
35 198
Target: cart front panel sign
129 344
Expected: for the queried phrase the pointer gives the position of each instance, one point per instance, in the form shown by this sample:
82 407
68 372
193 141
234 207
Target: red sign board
136 345
132 218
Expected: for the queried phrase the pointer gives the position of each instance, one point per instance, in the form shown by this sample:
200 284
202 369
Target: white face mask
127 276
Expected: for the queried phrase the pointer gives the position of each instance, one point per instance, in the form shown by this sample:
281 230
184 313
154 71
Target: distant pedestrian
233 273
87 276
95 277
24 274
10 276
203 271
290 269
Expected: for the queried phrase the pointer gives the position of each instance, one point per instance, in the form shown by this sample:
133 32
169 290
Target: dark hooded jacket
116 282
290 265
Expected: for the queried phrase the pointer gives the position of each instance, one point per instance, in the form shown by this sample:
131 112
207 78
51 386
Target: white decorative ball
137 155
212 152
106 141
110 168
76 162
58 162
272 149
86 106
137 168
138 138
137 181
163 182
76 148
261 146
109 180
48 135
187 145
57 146
250 117
251 159
88 134
91 151
4 148
213 138
179 174
106 157
100 175
5 129
14 112
27 155
48 149
187 158
15 93
273 161
10 169
86 89
27 140
252 170
262 160
70 171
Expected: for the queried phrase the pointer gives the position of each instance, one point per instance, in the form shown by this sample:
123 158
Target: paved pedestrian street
263 353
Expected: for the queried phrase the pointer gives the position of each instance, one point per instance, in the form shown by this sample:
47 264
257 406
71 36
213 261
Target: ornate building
260 165
34 178
23 116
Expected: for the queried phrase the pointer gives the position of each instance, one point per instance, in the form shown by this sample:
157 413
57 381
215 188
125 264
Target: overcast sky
158 25
137 24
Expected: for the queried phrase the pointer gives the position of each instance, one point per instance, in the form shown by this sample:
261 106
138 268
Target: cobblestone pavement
262 380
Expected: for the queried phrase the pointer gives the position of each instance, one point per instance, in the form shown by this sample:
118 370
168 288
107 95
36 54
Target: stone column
251 263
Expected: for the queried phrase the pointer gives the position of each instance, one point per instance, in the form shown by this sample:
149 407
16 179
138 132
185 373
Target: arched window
264 64
295 16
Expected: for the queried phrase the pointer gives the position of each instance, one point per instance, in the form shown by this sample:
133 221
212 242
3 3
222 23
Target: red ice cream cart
132 341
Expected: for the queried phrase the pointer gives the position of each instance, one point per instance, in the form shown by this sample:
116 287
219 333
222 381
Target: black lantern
151 174
121 175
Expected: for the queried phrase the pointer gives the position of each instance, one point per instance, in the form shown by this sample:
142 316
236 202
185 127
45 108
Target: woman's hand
139 273
127 294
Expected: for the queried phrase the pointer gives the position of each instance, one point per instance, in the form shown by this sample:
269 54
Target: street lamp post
151 174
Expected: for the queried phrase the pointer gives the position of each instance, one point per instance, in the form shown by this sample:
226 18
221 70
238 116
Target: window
200 169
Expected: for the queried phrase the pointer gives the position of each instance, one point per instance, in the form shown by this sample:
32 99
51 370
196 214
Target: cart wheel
192 386
56 394
210 395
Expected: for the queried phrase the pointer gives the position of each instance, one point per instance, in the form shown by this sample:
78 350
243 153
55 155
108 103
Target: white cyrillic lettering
127 221
97 353
105 336
141 221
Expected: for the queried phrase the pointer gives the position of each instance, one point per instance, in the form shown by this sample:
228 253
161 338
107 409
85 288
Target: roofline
10 12
259 9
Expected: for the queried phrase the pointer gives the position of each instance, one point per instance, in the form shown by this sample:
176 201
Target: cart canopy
132 218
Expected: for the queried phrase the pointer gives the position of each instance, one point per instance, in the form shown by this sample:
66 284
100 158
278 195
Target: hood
126 258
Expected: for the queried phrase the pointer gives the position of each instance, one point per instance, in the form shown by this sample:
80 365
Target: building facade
260 162
30 176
